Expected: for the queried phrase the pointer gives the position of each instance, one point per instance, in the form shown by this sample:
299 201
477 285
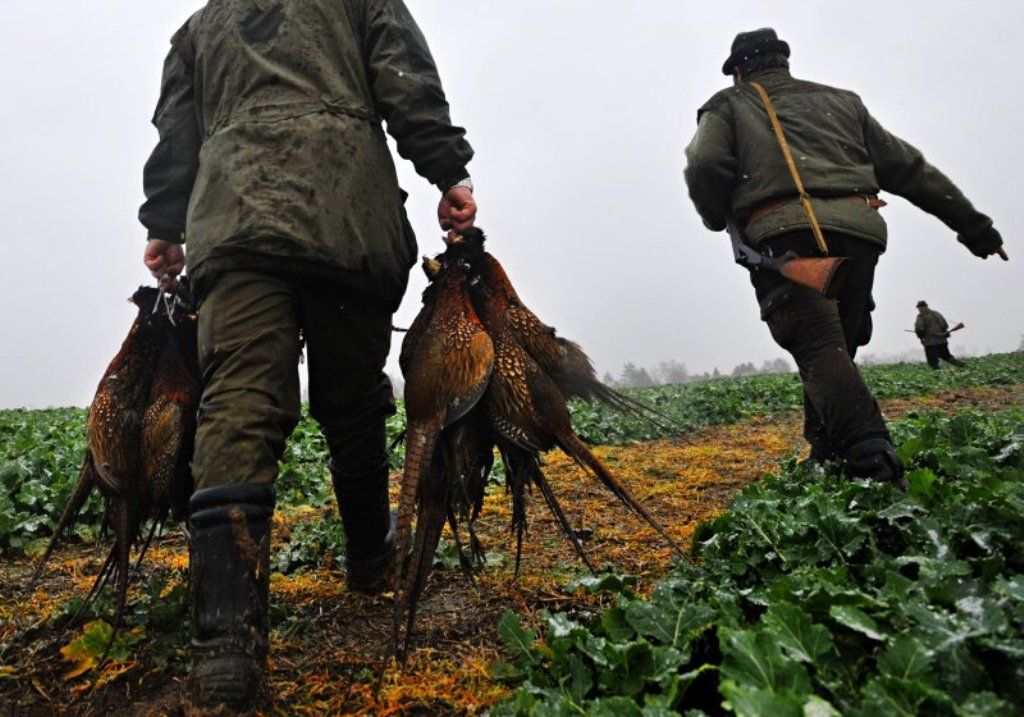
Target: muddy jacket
736 170
271 152
931 327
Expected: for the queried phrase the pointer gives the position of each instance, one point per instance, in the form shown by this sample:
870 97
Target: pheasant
447 359
169 426
522 413
525 406
139 429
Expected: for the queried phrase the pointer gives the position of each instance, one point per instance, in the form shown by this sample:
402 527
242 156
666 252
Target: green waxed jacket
736 171
932 328
271 151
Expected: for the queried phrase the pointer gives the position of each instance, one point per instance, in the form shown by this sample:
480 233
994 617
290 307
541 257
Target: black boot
229 538
875 458
369 535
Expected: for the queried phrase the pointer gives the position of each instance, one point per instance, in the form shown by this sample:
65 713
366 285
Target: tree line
674 372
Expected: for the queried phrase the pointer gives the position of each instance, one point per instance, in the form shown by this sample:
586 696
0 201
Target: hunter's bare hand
164 258
457 209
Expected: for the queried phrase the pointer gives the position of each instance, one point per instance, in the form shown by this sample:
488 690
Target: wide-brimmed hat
755 42
922 304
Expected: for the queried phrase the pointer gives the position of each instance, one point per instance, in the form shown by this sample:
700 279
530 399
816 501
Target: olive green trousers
252 326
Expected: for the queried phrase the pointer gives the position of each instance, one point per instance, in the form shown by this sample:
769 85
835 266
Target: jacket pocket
408 234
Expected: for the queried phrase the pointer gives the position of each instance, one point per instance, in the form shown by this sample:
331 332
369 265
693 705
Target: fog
579 112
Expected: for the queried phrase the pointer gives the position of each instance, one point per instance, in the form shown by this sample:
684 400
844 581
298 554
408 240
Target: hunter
738 175
273 166
933 330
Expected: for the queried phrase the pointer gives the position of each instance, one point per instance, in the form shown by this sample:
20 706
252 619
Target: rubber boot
875 458
369 531
229 540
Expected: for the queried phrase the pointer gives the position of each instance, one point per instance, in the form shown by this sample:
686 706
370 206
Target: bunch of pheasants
139 431
482 371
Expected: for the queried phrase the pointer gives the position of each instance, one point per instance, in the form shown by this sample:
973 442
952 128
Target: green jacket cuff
174 236
451 180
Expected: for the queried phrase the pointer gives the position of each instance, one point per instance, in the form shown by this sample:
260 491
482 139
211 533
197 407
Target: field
807 593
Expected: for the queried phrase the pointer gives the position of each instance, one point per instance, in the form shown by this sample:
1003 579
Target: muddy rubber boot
876 459
369 530
229 540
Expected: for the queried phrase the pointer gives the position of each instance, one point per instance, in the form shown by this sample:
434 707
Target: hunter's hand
987 243
164 258
457 209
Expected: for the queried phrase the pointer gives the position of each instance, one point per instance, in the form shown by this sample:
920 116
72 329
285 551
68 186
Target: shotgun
823 275
955 328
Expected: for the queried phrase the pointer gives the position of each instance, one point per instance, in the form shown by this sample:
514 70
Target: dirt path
327 644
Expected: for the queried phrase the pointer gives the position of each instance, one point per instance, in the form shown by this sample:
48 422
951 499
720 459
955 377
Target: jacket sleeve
407 93
901 169
171 169
711 169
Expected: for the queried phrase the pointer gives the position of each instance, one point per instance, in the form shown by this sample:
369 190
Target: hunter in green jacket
273 168
737 175
933 330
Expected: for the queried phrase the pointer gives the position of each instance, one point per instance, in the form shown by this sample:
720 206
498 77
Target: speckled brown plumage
447 359
562 360
139 429
531 373
525 405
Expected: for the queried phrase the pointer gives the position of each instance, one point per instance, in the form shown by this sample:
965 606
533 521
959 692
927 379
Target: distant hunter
933 330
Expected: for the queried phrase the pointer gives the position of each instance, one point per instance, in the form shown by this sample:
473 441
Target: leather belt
871 200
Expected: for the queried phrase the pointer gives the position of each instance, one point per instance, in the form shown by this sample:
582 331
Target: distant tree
1021 347
716 373
778 365
609 380
744 369
634 377
673 371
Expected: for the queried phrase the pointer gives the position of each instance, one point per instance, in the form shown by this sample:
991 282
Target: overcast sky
579 112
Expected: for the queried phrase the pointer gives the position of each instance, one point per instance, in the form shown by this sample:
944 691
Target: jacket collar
767 74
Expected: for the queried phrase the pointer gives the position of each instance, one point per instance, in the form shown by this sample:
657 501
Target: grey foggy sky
579 112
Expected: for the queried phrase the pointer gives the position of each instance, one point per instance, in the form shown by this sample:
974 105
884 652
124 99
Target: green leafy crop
817 594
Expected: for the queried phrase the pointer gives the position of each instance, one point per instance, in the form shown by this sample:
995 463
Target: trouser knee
358 449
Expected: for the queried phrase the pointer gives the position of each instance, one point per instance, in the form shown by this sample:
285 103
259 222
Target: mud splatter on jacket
271 151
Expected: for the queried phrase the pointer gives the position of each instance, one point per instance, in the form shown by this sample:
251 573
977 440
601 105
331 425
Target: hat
922 304
755 42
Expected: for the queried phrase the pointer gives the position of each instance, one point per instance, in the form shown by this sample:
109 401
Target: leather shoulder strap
805 199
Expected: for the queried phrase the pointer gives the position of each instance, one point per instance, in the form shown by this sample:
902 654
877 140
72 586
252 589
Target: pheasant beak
453 238
431 267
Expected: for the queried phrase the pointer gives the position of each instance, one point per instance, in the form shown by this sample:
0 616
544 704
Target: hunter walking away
797 167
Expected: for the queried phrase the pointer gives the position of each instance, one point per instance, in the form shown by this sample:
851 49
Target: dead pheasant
447 359
526 407
523 412
169 427
139 432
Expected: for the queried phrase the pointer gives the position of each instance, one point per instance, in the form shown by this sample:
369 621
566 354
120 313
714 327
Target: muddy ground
328 645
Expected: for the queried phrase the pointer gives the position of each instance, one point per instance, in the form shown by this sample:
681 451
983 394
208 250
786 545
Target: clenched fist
457 209
164 258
